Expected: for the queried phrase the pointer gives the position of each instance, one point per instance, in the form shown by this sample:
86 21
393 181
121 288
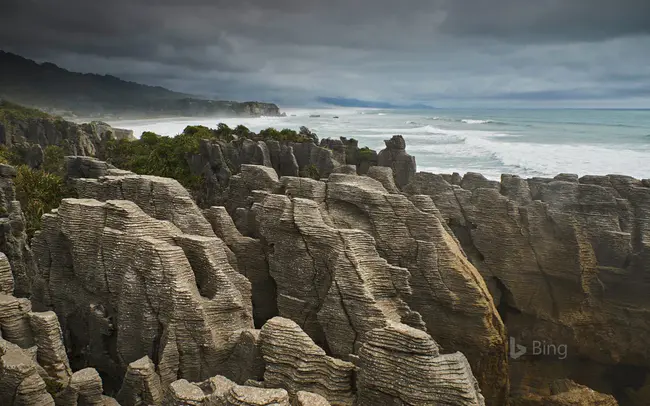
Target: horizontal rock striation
447 291
331 282
126 285
20 382
295 363
565 260
251 262
401 365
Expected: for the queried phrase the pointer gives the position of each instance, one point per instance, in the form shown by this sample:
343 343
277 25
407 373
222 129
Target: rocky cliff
566 261
392 287
154 305
29 132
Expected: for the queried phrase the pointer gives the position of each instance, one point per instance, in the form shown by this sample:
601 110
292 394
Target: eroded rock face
126 285
13 238
396 157
401 365
20 382
447 290
295 363
568 393
331 281
87 139
564 259
251 262
34 366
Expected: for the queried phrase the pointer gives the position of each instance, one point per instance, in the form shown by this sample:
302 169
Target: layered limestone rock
13 243
310 399
218 162
31 135
402 365
568 393
20 382
295 363
220 391
330 281
6 276
126 285
141 385
13 238
564 259
396 157
447 290
34 369
251 262
160 198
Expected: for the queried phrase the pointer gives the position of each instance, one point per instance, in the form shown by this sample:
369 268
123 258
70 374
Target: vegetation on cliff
170 157
70 93
38 190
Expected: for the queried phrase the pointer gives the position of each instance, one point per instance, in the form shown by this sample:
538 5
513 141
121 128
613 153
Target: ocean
517 141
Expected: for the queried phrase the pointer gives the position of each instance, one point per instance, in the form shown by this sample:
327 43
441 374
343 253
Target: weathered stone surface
141 385
251 262
330 281
564 260
250 396
87 139
447 290
568 393
395 157
160 198
473 180
401 365
385 176
51 353
183 393
13 242
347 169
6 276
20 383
295 363
14 320
310 399
85 167
311 155
126 285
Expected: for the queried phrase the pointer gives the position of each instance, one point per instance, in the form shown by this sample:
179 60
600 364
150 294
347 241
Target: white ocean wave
473 121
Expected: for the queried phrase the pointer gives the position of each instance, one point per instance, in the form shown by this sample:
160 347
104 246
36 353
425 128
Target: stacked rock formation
396 157
564 259
447 290
376 295
126 285
13 239
330 280
31 135
145 290
294 362
34 366
402 365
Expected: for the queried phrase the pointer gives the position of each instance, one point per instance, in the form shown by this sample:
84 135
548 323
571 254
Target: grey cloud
291 50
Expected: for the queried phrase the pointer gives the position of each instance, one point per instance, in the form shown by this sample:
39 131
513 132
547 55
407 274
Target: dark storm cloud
296 50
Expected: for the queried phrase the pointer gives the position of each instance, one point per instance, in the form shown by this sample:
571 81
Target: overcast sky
442 52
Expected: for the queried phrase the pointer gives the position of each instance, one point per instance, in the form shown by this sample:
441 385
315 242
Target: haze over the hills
60 91
440 52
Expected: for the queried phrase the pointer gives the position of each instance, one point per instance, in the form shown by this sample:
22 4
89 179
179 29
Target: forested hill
62 92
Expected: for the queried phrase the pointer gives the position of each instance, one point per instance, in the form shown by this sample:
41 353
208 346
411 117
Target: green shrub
38 192
54 160
365 154
311 171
